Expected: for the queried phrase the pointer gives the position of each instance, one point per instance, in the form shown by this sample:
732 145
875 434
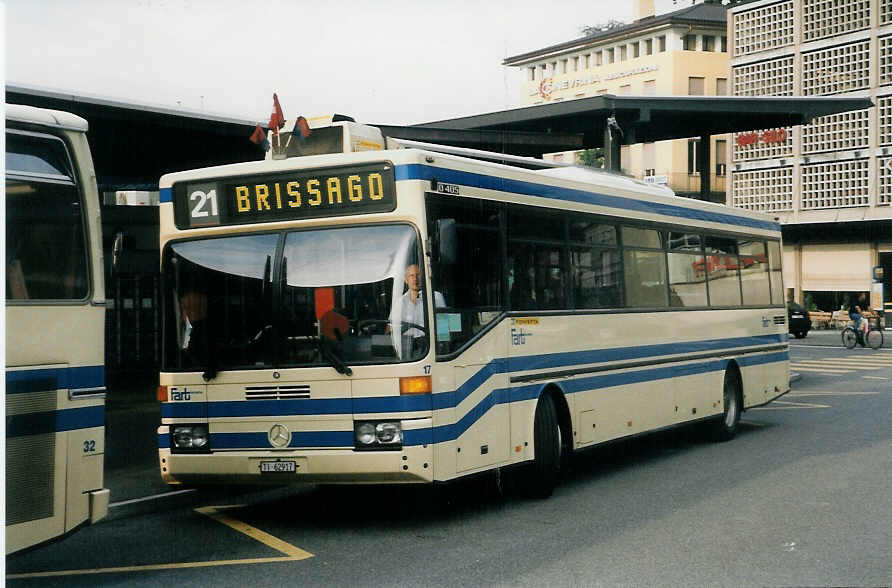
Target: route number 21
205 204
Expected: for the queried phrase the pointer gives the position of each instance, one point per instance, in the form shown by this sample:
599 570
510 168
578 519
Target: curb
795 377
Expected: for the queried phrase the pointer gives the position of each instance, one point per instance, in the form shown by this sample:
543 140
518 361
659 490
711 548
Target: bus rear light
162 394
415 385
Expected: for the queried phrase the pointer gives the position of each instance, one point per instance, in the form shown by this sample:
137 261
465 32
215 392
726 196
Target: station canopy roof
580 124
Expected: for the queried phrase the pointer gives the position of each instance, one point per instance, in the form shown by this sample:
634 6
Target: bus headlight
378 434
190 438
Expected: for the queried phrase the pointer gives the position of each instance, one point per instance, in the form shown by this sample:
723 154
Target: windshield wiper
328 353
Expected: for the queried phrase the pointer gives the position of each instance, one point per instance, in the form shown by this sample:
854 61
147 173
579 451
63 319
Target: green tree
590 158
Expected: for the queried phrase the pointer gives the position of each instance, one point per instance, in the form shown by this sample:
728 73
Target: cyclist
856 309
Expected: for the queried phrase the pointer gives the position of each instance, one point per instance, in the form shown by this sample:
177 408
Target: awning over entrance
609 121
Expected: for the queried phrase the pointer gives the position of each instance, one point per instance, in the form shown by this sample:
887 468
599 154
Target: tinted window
645 277
472 287
46 256
635 237
754 272
32 154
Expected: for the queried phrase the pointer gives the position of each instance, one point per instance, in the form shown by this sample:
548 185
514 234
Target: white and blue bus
55 329
351 310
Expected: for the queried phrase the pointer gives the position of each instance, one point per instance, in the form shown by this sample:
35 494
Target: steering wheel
406 326
363 326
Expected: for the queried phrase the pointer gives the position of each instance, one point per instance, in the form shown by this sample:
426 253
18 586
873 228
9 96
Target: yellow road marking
254 532
146 568
291 552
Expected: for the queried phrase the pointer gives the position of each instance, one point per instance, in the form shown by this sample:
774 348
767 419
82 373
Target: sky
380 61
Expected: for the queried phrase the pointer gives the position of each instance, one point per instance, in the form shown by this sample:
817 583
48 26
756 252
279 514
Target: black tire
799 334
875 339
849 338
542 474
725 428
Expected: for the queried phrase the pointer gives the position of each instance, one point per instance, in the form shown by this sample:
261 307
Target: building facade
829 183
679 53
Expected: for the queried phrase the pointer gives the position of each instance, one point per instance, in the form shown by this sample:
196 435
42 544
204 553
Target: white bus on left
55 329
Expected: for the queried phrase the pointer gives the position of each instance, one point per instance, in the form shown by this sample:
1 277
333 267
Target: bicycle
852 337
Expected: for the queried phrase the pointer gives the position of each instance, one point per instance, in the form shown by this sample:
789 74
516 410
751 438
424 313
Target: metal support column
612 144
705 167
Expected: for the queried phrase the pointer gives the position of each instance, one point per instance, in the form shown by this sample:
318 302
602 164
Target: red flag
277 118
301 128
258 137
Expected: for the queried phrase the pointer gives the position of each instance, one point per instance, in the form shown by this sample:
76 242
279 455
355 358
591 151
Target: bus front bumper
412 464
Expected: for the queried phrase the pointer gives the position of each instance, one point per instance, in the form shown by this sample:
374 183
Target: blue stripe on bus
452 398
452 431
61 378
165 195
426 172
54 421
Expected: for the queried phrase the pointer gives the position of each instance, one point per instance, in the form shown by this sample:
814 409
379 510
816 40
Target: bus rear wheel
725 428
542 474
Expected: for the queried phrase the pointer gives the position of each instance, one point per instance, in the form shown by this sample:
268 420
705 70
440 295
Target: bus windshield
332 296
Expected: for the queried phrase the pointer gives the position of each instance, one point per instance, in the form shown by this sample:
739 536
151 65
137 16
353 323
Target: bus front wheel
725 428
542 474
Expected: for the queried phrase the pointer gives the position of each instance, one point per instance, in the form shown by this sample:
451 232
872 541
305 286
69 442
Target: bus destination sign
282 196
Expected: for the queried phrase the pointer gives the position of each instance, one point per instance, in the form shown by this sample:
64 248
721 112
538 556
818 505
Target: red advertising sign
769 136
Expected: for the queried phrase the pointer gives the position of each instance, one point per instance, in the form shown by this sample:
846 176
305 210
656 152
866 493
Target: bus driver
410 308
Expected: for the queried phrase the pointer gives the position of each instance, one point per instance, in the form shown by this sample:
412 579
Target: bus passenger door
482 416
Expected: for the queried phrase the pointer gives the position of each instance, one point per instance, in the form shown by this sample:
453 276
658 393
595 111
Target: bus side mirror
447 241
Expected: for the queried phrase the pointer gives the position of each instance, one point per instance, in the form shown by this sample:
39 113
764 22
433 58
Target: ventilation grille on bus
30 461
276 392
780 319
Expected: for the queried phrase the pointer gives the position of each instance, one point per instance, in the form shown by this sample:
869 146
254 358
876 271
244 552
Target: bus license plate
278 466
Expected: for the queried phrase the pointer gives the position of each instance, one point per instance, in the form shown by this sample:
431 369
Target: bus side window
472 286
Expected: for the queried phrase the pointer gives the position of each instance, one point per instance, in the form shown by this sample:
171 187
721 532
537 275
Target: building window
689 42
708 43
766 78
576 63
721 86
724 45
829 18
835 185
721 157
622 53
765 190
649 47
838 69
696 86
532 73
661 42
837 132
636 48
610 55
586 63
763 28
543 70
693 157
